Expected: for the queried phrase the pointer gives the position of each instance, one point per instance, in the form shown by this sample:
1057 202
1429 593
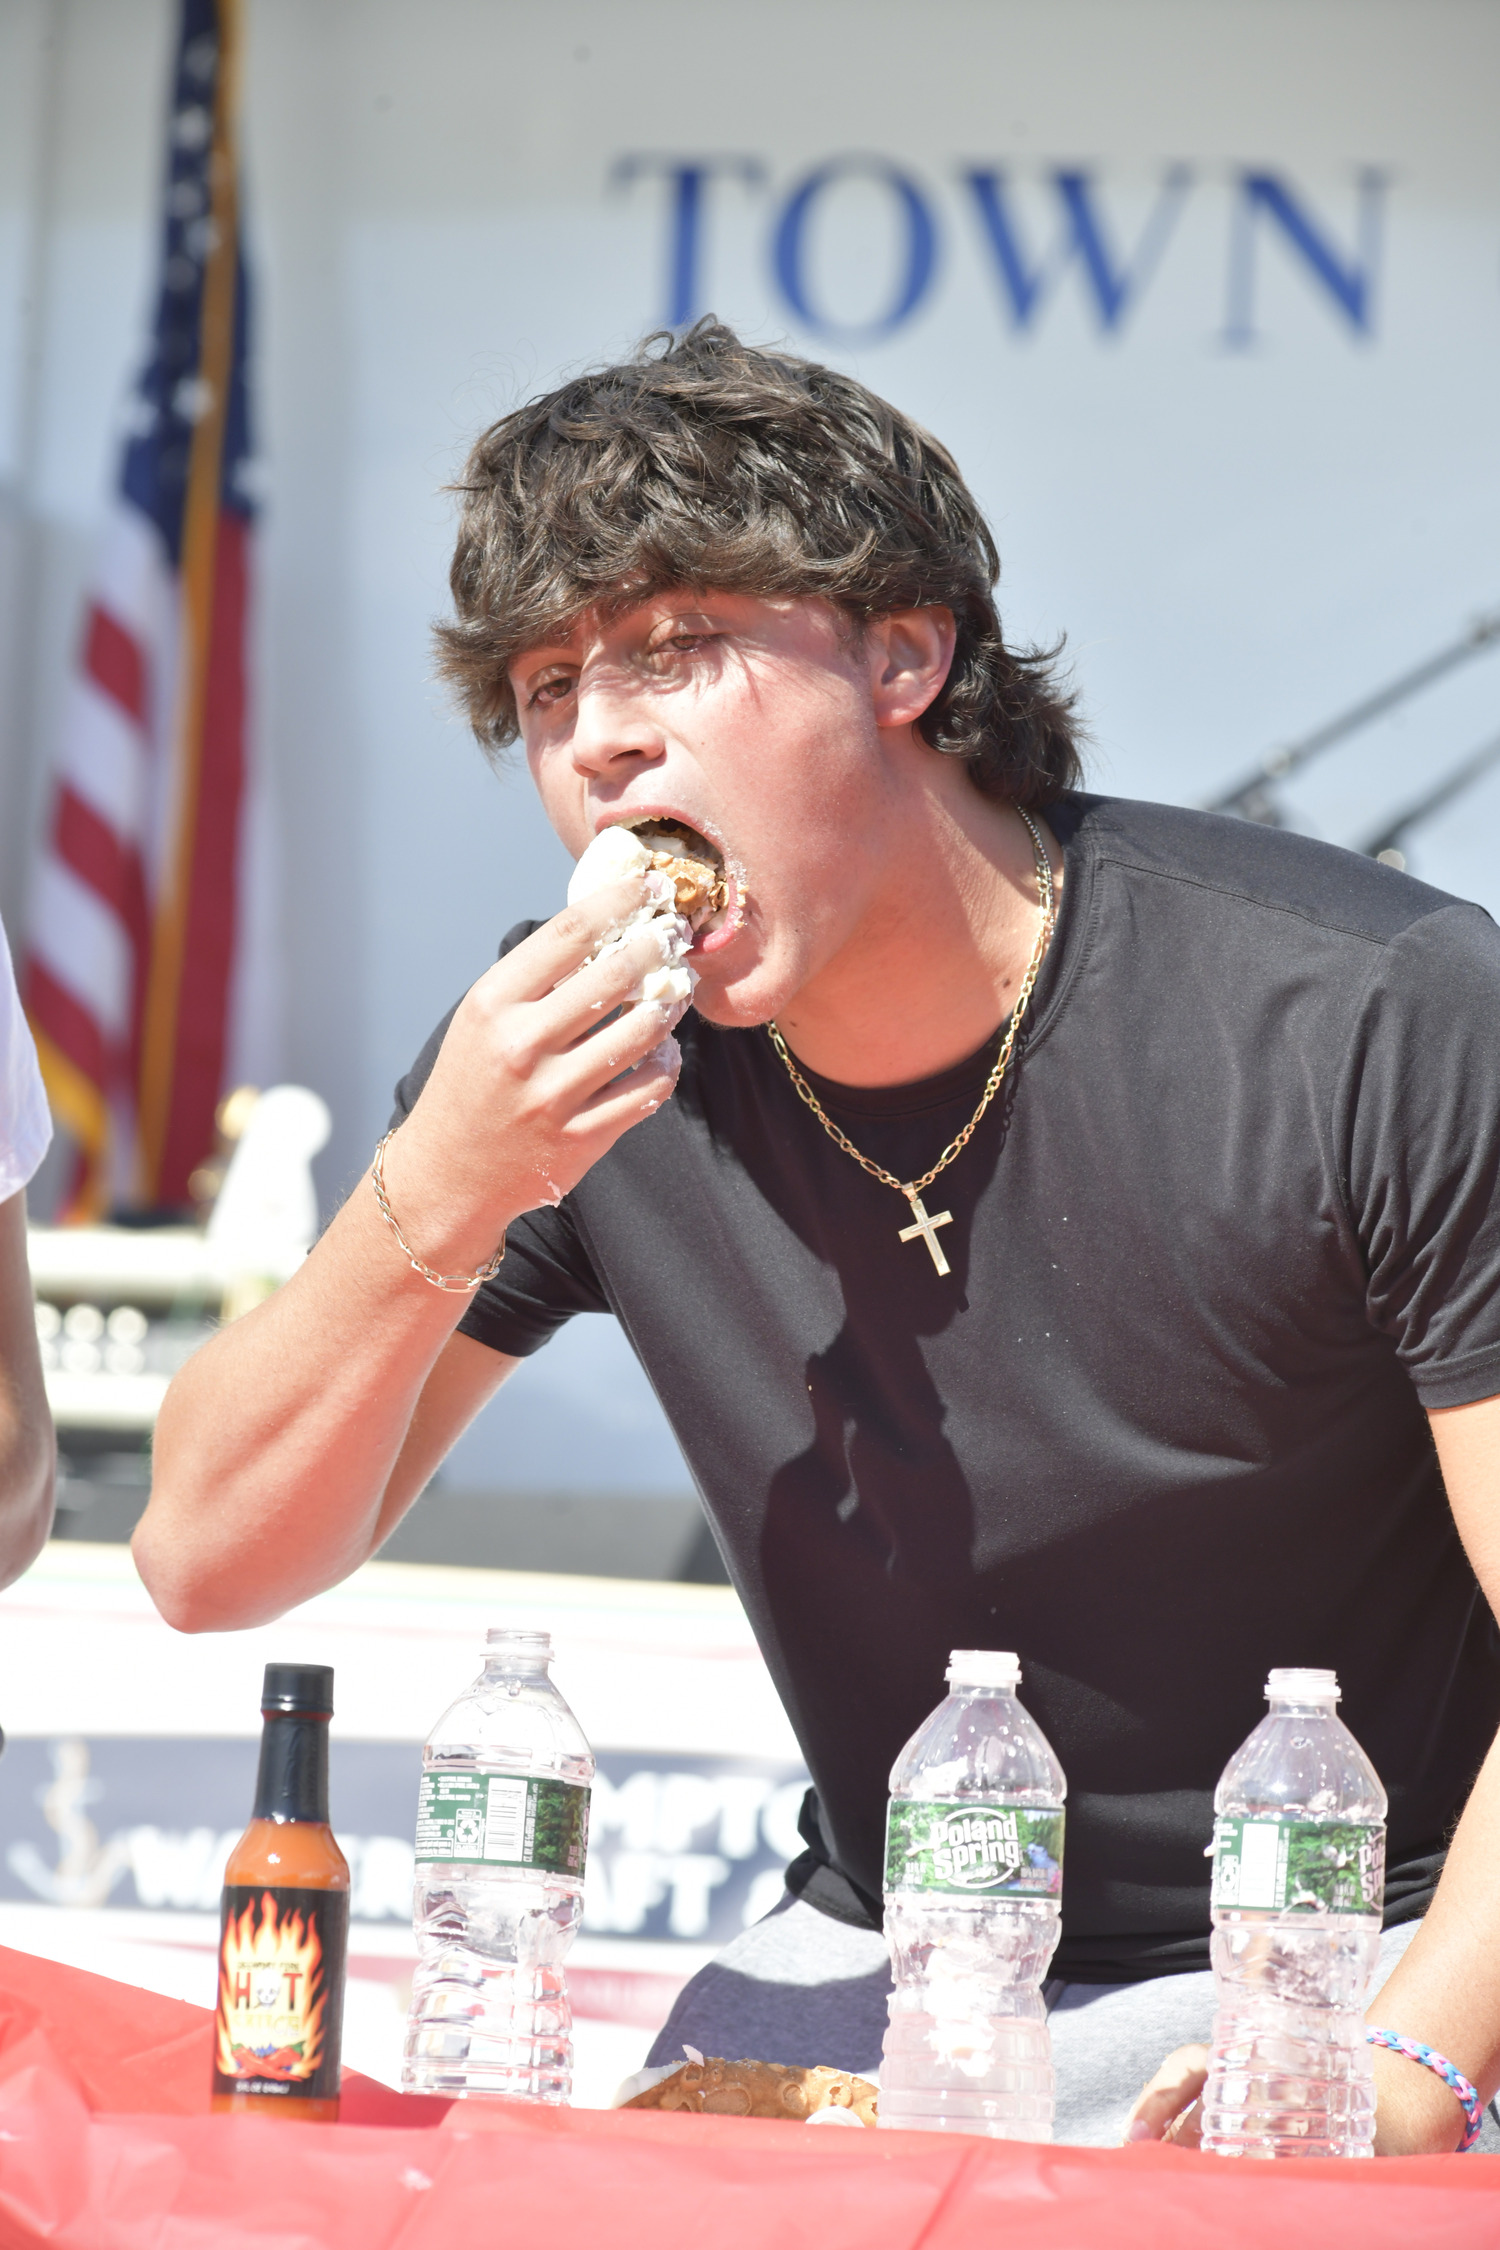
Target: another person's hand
1168 2106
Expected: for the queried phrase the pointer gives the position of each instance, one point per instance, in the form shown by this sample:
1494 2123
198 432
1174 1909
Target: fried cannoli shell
756 2089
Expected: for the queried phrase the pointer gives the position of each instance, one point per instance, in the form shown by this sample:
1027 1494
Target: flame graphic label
281 1991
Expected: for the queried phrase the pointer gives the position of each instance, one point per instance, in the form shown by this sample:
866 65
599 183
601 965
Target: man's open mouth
693 866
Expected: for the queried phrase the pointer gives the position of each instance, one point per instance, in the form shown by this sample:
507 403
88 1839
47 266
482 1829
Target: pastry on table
708 2085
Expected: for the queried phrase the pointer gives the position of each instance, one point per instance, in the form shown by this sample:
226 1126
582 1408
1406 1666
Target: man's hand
527 1092
1168 2107
1416 2114
289 1447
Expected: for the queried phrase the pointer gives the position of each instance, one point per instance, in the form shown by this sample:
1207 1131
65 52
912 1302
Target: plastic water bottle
973 1890
1299 1885
502 1834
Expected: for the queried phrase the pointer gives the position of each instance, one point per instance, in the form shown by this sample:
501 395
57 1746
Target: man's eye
551 690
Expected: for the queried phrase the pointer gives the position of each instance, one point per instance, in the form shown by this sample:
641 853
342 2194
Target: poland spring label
1299 1866
964 1848
500 1819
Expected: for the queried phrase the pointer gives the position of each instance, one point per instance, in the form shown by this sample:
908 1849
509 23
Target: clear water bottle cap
1300 1684
519 1645
984 1667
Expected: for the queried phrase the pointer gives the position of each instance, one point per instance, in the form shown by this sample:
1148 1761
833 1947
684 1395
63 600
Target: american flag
140 901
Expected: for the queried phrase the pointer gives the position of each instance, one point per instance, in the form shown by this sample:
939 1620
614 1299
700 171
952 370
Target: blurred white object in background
265 1218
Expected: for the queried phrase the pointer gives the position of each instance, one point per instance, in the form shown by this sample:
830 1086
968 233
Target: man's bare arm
288 1447
291 1446
1445 1989
28 1448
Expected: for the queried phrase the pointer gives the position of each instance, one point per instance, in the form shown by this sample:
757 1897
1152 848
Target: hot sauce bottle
284 1930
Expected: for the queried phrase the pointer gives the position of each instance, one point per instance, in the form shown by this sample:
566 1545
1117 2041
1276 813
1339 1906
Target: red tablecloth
106 2144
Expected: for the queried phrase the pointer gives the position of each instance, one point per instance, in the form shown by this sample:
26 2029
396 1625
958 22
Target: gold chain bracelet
458 1283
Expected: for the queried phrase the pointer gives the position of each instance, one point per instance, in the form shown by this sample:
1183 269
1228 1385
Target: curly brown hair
703 462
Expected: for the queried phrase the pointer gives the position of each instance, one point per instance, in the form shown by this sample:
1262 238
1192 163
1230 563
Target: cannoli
681 889
710 2086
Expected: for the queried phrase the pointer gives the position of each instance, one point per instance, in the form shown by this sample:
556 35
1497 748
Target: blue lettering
687 184
1113 284
918 264
1349 280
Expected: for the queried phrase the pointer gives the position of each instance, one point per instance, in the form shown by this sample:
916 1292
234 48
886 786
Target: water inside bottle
1298 1892
972 1912
499 1884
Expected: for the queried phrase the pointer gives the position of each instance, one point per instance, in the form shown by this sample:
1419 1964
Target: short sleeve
25 1122
1418 1123
546 1275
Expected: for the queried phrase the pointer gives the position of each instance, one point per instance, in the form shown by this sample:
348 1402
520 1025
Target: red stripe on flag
104 860
209 939
115 661
67 1024
112 868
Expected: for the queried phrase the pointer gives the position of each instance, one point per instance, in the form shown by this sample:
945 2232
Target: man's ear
909 653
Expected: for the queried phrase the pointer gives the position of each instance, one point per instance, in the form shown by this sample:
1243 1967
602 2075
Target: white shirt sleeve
25 1125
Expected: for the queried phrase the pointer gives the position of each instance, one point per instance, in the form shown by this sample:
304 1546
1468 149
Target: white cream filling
639 2080
614 854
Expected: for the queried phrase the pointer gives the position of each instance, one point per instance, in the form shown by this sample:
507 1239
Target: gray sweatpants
801 1988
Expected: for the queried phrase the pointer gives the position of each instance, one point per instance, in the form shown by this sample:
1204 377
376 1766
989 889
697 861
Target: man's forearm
1445 1990
276 1444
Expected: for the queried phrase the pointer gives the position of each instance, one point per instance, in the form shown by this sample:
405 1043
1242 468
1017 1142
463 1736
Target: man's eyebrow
537 659
676 621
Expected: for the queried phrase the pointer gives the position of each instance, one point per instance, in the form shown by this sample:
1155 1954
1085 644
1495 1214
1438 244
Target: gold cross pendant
927 1228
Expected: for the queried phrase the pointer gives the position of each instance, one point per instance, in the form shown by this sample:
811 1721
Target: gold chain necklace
923 1224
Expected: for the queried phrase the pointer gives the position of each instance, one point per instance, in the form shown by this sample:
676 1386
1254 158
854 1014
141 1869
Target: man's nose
610 729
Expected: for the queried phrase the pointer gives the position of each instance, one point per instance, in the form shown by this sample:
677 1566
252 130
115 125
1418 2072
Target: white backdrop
1205 295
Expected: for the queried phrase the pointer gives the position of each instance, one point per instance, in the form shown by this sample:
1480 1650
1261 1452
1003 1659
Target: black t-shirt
1233 1224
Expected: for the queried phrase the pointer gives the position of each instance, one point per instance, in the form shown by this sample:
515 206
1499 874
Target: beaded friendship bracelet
1450 2074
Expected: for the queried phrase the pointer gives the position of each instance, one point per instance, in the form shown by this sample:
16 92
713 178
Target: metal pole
1253 798
1386 842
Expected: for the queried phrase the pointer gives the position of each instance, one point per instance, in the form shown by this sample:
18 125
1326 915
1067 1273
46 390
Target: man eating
1057 1223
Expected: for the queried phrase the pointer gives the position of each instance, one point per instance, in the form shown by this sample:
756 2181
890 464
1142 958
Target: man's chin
738 1003
729 1012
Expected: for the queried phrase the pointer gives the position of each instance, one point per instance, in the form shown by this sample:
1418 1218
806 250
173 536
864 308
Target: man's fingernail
1139 2130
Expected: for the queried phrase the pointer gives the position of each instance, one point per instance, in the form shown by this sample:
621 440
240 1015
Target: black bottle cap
299 1687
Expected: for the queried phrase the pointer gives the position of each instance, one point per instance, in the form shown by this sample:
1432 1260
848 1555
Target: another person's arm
291 1444
28 1448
